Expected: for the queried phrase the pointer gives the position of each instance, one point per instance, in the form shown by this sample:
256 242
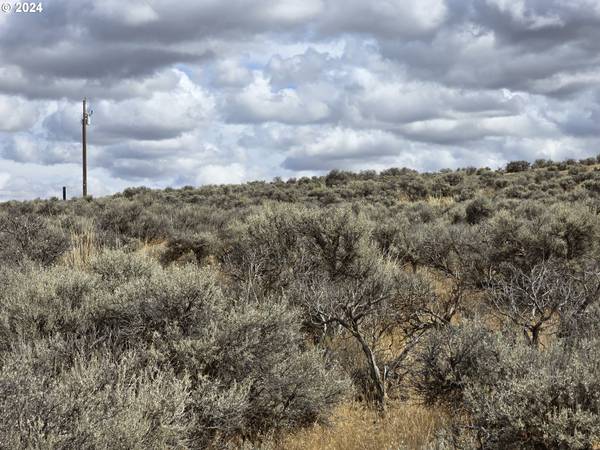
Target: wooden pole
64 193
84 146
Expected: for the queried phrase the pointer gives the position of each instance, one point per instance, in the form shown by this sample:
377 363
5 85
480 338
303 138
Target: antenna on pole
85 121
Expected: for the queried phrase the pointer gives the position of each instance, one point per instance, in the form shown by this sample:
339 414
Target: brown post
84 146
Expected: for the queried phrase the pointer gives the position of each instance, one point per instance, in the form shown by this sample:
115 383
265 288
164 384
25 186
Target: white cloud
4 178
293 10
16 114
133 13
230 72
399 18
340 145
221 174
258 102
215 92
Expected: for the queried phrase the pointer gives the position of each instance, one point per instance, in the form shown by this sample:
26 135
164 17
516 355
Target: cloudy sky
194 92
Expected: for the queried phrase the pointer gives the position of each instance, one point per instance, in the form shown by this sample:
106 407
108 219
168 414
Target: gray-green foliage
128 353
95 402
30 237
544 399
115 267
37 304
131 355
507 394
326 263
478 210
534 233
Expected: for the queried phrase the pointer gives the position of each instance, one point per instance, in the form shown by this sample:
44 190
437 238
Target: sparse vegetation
457 309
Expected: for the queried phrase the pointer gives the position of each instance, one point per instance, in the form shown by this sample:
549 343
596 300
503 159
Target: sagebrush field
457 309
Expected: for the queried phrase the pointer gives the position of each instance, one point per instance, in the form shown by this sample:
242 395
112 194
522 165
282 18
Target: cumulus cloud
258 102
337 147
4 178
210 92
390 18
16 114
221 174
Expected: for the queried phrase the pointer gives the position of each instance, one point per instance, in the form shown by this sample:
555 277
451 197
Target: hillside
456 309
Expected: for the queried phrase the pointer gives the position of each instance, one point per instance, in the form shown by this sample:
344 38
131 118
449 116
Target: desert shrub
527 237
505 394
539 299
131 219
541 163
275 247
415 188
334 240
30 237
375 299
337 177
164 348
263 249
457 252
98 402
547 400
399 239
133 192
199 245
478 210
450 357
171 302
517 166
577 228
500 183
36 304
254 350
440 187
582 319
288 387
115 267
326 263
421 212
465 193
587 161
453 178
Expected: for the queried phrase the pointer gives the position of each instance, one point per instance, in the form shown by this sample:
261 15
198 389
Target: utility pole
85 121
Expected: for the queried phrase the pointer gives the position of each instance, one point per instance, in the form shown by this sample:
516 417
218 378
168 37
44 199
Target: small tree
533 299
382 300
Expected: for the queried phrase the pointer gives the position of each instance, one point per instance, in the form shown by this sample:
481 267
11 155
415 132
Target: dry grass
153 250
355 427
434 200
83 247
440 201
